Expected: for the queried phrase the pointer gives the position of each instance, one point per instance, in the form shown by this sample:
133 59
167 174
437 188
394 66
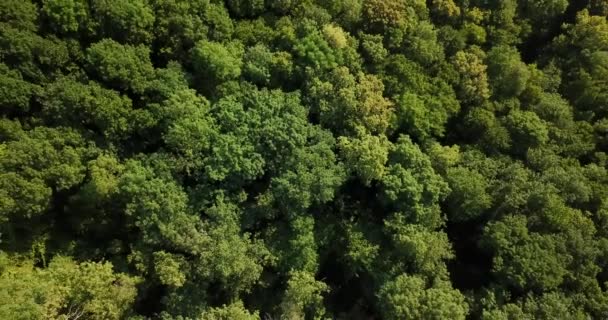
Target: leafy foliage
303 159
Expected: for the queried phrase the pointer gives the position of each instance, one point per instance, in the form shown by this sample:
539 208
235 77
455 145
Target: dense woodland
303 159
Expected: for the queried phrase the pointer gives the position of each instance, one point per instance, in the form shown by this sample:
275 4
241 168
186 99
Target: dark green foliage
411 186
508 75
527 130
469 198
303 159
19 15
65 289
245 8
89 106
35 164
67 17
524 260
36 58
124 67
408 297
15 93
314 51
217 62
123 21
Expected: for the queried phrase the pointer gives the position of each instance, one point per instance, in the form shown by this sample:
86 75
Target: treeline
303 159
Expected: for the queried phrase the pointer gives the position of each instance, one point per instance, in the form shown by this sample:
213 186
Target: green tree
234 311
303 159
421 44
314 51
178 26
38 59
423 116
507 73
445 8
366 156
372 48
473 85
543 14
425 251
409 297
126 22
65 290
123 67
160 210
70 103
469 197
548 306
67 17
347 12
347 103
22 15
311 176
410 185
37 163
491 134
245 8
15 93
525 260
303 296
382 14
257 64
220 62
527 130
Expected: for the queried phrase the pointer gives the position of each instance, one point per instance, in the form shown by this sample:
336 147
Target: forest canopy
303 159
